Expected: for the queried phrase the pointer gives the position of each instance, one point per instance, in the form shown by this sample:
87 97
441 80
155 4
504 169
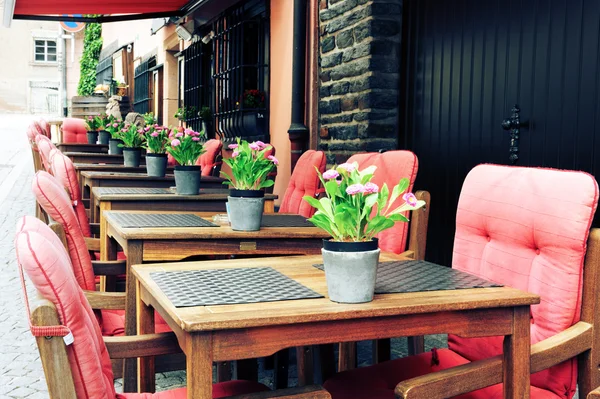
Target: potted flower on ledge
114 127
250 169
93 123
354 211
157 140
185 146
133 139
103 135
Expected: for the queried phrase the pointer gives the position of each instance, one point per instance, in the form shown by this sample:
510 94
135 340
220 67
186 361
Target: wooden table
91 157
119 168
83 147
90 180
209 200
210 334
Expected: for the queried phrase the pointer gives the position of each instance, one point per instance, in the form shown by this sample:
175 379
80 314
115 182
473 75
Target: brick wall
360 64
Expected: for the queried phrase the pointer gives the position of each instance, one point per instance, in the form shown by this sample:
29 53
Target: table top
300 269
105 175
221 232
92 154
167 194
74 146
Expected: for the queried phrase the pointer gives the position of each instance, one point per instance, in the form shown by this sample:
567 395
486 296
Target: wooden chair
595 394
74 355
516 228
304 181
33 130
210 162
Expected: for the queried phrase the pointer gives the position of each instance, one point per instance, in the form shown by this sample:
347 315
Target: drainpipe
298 131
64 76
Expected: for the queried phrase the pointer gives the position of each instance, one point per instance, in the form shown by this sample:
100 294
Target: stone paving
21 374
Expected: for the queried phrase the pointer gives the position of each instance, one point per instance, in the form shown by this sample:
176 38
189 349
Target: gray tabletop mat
160 220
275 220
132 190
229 286
419 275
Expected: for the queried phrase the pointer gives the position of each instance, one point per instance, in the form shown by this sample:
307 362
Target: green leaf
398 217
398 190
383 197
332 188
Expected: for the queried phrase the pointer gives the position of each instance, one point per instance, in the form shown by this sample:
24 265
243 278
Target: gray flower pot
103 137
132 156
92 137
113 147
245 209
156 164
187 180
350 275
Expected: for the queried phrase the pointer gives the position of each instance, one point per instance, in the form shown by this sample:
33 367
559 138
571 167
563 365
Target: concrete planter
350 270
156 164
92 137
113 147
187 179
132 156
103 137
245 209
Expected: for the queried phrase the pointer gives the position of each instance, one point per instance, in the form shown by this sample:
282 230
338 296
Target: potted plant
206 116
114 127
156 146
185 146
185 113
133 139
103 135
249 168
149 119
253 104
92 129
354 211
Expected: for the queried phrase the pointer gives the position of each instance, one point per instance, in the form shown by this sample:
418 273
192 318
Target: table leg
134 257
145 325
108 251
199 359
347 356
517 356
269 206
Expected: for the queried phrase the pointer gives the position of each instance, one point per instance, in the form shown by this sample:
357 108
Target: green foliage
114 126
156 138
186 146
249 166
94 123
186 113
132 136
92 45
149 118
355 209
206 114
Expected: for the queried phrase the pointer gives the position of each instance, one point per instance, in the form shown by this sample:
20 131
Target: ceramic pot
187 180
113 147
245 209
103 137
132 156
92 137
350 270
156 164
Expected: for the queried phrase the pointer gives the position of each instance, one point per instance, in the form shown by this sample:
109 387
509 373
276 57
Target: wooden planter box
82 107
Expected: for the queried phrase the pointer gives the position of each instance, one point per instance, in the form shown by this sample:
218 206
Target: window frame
45 54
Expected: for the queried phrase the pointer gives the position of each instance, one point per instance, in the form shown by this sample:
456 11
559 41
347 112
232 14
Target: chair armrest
595 394
483 373
307 392
95 228
419 219
109 267
93 244
401 256
106 300
125 347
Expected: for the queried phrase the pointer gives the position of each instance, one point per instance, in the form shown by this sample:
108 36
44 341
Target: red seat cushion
45 146
220 390
113 323
304 181
74 131
208 160
46 131
391 167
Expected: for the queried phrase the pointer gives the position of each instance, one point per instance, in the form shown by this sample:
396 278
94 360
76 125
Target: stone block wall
359 76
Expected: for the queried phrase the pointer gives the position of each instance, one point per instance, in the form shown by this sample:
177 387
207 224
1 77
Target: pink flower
235 154
189 132
115 125
155 134
348 167
232 146
196 138
179 134
355 189
175 143
140 130
330 174
156 126
410 199
108 125
254 147
273 159
180 128
371 188
146 129
171 135
261 145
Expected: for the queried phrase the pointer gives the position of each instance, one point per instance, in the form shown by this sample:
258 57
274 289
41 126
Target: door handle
513 124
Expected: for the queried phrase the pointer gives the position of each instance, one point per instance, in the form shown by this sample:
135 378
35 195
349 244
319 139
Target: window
143 85
45 50
197 59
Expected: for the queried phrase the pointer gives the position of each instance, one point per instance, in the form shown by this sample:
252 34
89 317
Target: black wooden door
467 62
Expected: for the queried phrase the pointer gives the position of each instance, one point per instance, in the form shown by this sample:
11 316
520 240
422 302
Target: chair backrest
53 198
47 264
304 181
391 167
527 228
45 146
64 171
74 131
210 162
45 127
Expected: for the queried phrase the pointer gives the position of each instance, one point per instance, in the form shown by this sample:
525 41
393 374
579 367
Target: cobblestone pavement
21 374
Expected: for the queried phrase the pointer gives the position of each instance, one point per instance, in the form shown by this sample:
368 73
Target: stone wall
359 76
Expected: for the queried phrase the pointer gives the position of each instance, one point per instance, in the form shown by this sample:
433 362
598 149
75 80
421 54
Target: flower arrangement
253 99
114 127
249 166
149 118
347 210
157 138
185 145
132 136
93 123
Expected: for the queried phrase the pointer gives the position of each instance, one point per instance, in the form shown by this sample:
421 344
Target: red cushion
46 131
45 146
208 160
113 323
220 390
74 131
32 131
304 181
120 255
391 167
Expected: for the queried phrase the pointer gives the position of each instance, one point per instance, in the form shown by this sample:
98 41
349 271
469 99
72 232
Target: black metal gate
197 66
468 63
142 81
